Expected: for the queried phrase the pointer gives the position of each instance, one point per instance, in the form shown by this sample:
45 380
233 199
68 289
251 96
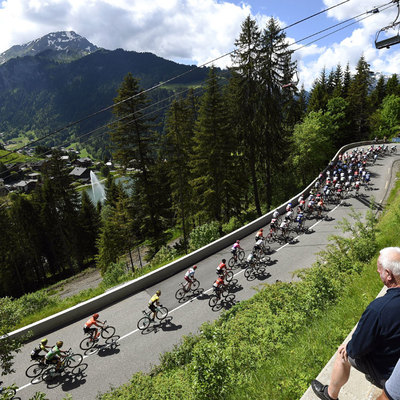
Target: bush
203 235
164 255
233 224
115 274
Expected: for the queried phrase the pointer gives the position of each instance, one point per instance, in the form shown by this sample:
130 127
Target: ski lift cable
335 31
387 5
151 88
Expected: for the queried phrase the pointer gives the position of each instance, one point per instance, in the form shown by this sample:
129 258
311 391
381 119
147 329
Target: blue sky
198 31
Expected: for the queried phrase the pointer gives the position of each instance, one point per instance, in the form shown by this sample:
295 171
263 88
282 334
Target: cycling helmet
158 292
261 230
194 266
43 341
223 260
237 241
59 343
95 316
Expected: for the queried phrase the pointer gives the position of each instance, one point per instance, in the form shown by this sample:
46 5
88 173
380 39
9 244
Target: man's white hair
390 259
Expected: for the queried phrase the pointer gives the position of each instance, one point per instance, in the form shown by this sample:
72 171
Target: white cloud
174 29
194 31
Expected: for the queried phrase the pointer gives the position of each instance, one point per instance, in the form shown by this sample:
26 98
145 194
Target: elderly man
375 345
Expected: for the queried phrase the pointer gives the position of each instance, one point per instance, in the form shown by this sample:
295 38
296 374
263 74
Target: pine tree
243 86
89 226
133 147
358 100
319 94
179 126
378 94
393 86
213 154
274 64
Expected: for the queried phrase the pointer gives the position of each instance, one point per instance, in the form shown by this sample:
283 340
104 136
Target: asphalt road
113 365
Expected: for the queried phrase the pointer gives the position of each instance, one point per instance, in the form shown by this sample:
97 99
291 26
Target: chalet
25 186
81 173
84 162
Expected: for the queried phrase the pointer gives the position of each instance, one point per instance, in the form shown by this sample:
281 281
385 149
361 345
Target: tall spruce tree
133 147
358 100
275 66
213 155
244 83
179 127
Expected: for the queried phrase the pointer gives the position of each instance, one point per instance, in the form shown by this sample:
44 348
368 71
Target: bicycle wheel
35 370
8 393
195 285
266 248
162 313
212 302
49 374
270 238
231 262
241 255
86 344
229 276
180 294
107 332
73 360
143 323
249 272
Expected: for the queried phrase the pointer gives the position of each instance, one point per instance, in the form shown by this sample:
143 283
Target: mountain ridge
66 42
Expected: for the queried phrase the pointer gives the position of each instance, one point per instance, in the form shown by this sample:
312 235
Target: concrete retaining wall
86 308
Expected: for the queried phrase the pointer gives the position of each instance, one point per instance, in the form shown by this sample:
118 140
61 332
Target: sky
199 31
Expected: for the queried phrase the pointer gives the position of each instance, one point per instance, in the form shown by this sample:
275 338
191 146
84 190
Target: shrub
203 235
115 274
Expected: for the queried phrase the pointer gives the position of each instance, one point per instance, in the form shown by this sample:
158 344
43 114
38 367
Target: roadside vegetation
272 345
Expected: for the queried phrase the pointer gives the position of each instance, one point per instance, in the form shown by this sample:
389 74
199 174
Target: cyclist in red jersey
91 324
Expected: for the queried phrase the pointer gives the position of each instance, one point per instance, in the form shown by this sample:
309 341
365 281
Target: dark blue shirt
377 336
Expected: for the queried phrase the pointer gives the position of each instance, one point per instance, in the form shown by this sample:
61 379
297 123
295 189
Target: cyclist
235 248
275 214
260 235
221 269
154 302
189 277
54 355
35 354
90 326
219 286
274 224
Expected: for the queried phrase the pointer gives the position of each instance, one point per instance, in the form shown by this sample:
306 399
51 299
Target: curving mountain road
135 351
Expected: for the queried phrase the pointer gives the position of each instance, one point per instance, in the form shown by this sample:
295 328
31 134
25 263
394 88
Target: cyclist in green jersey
54 355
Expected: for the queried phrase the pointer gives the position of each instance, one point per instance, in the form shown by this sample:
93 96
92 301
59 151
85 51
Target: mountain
39 94
67 45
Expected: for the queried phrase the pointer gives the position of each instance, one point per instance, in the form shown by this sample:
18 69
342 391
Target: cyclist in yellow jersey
154 302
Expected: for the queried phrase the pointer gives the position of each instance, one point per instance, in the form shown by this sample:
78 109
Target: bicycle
106 332
183 290
34 370
271 236
228 275
235 258
71 360
144 322
7 392
216 297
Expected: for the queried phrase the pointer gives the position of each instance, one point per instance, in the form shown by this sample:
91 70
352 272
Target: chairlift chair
293 83
382 43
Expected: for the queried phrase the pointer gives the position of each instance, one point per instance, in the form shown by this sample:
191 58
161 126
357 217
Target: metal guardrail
95 304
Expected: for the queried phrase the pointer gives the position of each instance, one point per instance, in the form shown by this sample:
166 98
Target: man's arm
364 337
